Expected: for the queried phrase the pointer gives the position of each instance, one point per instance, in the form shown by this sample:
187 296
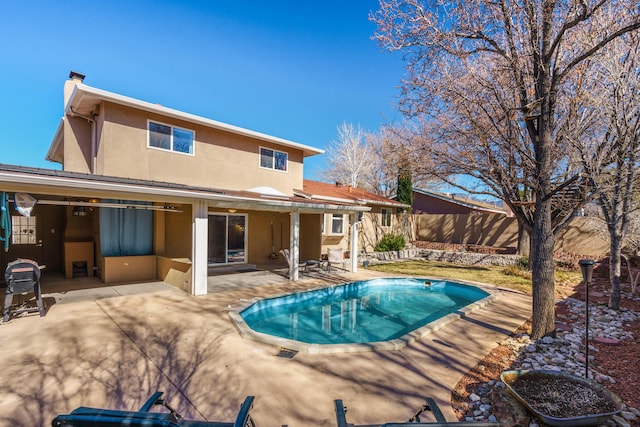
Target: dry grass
514 277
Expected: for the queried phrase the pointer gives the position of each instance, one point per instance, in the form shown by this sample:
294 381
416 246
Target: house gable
108 134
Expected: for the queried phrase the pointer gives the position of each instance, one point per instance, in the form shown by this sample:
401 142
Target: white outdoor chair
335 256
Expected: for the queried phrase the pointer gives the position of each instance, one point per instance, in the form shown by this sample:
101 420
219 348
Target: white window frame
171 147
23 230
226 238
273 159
333 217
386 214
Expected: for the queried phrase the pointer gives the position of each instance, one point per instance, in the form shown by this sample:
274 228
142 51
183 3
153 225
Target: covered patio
189 229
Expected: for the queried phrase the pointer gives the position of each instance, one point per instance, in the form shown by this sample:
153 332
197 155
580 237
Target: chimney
74 79
74 75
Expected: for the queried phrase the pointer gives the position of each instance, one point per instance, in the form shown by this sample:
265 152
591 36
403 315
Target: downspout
94 141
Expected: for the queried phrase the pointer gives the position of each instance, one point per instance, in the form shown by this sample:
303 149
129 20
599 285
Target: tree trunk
542 269
615 270
524 241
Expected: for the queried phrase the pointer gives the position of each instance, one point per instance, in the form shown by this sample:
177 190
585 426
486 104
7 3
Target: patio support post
353 244
199 248
294 245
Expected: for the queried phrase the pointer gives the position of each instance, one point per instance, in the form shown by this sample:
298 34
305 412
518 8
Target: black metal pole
586 330
586 266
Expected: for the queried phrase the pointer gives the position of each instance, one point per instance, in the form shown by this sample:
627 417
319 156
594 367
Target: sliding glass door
227 239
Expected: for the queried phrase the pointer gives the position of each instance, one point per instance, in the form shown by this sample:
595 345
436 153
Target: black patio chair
94 417
22 276
429 406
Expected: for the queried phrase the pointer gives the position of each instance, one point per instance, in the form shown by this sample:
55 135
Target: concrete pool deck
116 347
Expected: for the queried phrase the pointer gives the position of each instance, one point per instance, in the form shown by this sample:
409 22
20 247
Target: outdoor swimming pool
384 313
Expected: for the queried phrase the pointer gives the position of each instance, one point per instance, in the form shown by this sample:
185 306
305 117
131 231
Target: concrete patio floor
113 346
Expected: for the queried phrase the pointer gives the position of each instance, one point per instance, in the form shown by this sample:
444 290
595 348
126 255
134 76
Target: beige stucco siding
177 233
220 160
77 145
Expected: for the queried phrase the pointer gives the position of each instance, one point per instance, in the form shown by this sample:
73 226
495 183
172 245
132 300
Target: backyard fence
498 231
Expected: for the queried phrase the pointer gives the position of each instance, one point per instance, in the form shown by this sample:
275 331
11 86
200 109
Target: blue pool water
359 312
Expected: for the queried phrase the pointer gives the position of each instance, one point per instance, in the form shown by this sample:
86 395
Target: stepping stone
563 327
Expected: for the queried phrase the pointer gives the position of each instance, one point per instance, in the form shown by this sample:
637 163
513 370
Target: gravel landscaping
614 361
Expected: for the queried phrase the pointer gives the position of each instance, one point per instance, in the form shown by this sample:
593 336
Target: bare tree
519 55
392 147
610 151
349 157
372 160
386 144
630 244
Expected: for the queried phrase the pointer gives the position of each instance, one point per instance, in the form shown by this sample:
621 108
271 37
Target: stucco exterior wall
333 241
221 159
77 145
177 233
310 236
259 236
259 227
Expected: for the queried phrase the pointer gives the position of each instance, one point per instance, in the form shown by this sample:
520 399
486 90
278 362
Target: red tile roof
347 193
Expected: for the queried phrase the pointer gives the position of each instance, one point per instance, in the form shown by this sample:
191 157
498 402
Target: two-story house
147 192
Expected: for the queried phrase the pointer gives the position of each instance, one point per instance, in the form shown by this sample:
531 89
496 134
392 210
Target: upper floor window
166 137
386 217
273 159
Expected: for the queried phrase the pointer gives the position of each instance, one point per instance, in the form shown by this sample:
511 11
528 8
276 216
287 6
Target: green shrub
390 242
523 263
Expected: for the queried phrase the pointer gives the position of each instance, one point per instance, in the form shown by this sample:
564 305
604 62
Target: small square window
337 224
273 159
171 138
386 217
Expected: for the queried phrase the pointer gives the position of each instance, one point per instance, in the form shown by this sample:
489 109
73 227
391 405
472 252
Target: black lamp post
586 266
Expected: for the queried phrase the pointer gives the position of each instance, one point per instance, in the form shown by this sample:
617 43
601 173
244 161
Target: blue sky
292 69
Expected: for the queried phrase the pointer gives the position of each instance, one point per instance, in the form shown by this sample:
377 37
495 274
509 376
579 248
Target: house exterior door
227 239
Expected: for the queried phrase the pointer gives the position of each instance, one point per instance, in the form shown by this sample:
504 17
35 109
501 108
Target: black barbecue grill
22 276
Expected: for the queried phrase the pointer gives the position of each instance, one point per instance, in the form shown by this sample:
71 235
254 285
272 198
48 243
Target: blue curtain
126 231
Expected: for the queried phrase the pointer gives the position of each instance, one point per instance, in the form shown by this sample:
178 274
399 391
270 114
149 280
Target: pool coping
396 344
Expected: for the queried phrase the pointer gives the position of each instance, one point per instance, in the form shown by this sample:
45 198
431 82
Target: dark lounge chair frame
93 417
430 406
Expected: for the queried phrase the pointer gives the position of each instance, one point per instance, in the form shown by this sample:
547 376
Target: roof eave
20 181
81 89
52 154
